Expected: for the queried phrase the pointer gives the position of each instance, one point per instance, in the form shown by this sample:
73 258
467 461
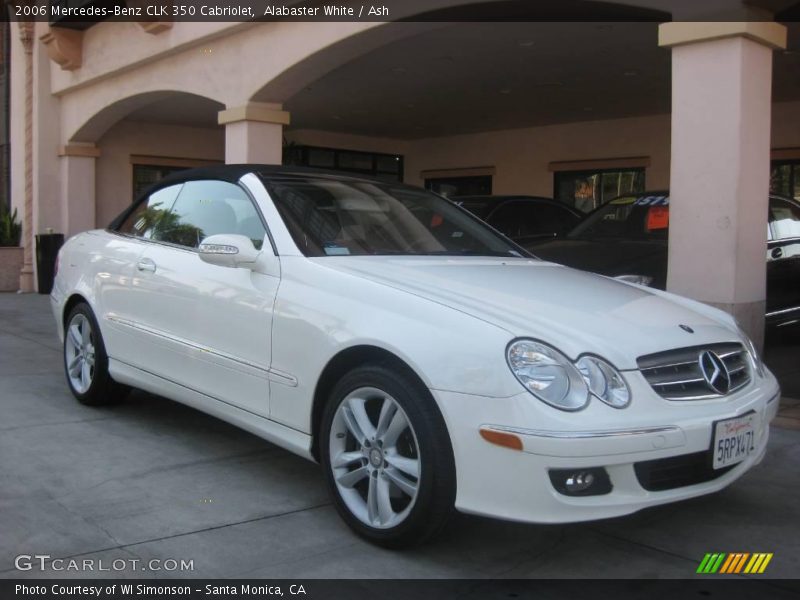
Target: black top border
83 14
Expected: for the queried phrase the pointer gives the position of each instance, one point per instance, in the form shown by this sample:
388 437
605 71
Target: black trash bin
47 246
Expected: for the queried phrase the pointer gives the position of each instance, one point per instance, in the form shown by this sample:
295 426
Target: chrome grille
678 374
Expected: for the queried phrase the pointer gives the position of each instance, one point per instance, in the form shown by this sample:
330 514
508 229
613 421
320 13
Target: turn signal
501 438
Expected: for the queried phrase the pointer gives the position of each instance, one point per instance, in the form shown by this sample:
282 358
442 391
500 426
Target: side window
508 219
522 219
145 218
206 208
784 218
554 219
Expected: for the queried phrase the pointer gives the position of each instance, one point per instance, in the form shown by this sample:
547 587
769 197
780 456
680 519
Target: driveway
152 479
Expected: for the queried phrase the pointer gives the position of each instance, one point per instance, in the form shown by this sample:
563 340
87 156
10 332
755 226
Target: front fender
448 349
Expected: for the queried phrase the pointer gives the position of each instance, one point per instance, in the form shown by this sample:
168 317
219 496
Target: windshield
329 217
637 217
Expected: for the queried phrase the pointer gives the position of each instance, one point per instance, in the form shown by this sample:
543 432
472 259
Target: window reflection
586 190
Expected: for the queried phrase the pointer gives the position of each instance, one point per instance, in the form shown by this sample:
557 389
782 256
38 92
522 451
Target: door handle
146 264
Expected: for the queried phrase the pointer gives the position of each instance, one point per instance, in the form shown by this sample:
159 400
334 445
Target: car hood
576 311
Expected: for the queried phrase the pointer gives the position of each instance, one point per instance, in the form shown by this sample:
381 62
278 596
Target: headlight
755 359
637 279
758 364
604 381
547 374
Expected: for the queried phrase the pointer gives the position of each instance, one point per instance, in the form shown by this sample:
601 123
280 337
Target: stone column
719 175
77 173
254 133
26 275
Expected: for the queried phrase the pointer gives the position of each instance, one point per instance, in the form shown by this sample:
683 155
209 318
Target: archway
126 146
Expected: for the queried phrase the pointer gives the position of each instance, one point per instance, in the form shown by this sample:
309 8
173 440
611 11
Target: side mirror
229 250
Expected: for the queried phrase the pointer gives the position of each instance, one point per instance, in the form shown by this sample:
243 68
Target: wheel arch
71 302
341 363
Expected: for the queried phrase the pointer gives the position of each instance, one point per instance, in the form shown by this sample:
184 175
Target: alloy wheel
375 458
79 353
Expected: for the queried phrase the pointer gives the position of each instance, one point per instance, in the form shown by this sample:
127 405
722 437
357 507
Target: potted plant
10 250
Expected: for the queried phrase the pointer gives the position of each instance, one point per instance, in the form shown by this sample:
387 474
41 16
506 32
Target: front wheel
86 362
387 457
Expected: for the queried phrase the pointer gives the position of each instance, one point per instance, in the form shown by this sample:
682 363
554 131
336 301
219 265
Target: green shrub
10 228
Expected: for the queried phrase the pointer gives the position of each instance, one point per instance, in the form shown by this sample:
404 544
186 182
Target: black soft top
233 173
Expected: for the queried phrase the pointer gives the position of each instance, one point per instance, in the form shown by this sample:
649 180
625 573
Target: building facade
575 110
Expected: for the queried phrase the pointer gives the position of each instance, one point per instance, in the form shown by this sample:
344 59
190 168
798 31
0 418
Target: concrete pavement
152 479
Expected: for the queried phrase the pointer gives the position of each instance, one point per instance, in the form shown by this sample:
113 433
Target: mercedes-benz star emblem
715 372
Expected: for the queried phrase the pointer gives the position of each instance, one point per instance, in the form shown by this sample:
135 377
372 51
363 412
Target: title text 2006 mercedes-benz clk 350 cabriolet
423 359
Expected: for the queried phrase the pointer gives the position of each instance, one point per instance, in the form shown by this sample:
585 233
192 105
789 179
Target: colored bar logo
734 562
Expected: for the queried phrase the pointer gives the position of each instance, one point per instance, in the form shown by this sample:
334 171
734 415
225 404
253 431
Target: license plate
734 440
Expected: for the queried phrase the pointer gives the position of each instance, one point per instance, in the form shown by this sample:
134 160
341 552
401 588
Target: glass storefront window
355 161
381 166
785 178
586 190
146 175
385 163
478 185
321 158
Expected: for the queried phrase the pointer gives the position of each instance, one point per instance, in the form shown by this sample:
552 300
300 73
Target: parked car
523 219
418 355
627 238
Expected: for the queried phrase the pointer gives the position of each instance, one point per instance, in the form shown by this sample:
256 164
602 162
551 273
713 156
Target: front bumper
515 485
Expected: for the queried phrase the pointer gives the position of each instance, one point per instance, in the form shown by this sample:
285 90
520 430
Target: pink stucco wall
114 169
520 156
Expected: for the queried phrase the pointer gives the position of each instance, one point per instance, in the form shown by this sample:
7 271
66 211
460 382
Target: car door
208 326
783 256
116 275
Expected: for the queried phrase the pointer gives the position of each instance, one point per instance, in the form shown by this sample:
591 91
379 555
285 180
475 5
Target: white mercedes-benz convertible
423 359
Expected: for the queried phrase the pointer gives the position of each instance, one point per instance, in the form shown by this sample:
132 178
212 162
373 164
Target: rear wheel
387 457
86 362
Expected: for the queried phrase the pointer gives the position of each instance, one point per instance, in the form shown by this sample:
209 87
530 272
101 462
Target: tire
86 361
392 479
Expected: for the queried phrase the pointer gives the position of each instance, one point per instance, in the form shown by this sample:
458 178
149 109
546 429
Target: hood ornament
686 328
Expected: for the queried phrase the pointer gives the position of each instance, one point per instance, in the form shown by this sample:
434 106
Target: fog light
580 482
